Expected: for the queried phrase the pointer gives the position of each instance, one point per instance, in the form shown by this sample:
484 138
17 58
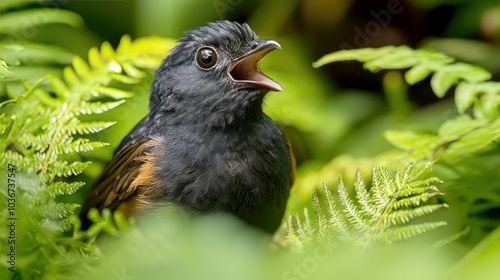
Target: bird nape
206 145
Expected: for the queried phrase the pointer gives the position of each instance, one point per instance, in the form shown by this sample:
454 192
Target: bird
205 145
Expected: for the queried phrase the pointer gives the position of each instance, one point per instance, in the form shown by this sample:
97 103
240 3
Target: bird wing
127 183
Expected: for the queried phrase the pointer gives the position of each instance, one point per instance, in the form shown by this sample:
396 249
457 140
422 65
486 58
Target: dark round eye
206 57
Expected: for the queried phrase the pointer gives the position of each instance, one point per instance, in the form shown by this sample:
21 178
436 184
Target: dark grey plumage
214 148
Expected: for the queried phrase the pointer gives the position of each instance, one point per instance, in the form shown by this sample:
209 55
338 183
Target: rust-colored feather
128 181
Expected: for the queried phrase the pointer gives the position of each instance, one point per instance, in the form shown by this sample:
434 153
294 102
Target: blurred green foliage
337 116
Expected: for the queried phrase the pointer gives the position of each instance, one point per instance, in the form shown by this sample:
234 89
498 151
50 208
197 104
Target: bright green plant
459 137
465 145
381 214
43 133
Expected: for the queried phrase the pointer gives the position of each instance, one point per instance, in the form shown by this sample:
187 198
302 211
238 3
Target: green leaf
446 76
4 70
489 105
58 86
403 58
34 54
53 210
97 107
107 50
132 71
66 169
465 96
406 215
88 127
40 135
380 213
95 59
458 127
442 81
81 67
70 77
114 92
481 260
60 188
16 22
345 55
125 45
406 232
417 74
124 78
420 145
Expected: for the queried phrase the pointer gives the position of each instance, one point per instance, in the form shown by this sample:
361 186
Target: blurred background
334 115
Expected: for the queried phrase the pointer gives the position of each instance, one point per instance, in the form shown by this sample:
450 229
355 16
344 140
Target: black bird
206 144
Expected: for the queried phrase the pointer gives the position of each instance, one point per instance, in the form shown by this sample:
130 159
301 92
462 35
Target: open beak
244 70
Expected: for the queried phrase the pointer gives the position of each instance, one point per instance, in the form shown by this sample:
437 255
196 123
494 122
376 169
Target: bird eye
206 57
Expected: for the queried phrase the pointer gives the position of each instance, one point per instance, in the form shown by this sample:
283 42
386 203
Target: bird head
213 73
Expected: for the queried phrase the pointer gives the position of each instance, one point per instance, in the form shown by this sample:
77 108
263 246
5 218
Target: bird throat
227 114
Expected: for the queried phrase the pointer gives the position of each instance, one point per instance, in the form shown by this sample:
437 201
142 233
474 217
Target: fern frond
401 233
422 62
354 214
321 220
43 133
66 169
60 188
337 221
363 196
397 217
380 214
75 126
43 123
57 210
56 225
457 138
97 107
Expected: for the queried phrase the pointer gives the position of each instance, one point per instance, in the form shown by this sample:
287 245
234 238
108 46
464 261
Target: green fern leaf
379 214
96 107
56 225
401 233
363 196
321 220
12 24
66 169
70 77
54 210
421 64
114 92
351 210
404 216
86 127
337 221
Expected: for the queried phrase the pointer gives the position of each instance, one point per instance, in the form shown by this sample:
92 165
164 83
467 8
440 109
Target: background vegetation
412 133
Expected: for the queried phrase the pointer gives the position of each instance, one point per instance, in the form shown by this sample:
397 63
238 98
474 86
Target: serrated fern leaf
363 196
381 213
397 217
353 213
473 89
60 188
43 136
321 220
56 210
